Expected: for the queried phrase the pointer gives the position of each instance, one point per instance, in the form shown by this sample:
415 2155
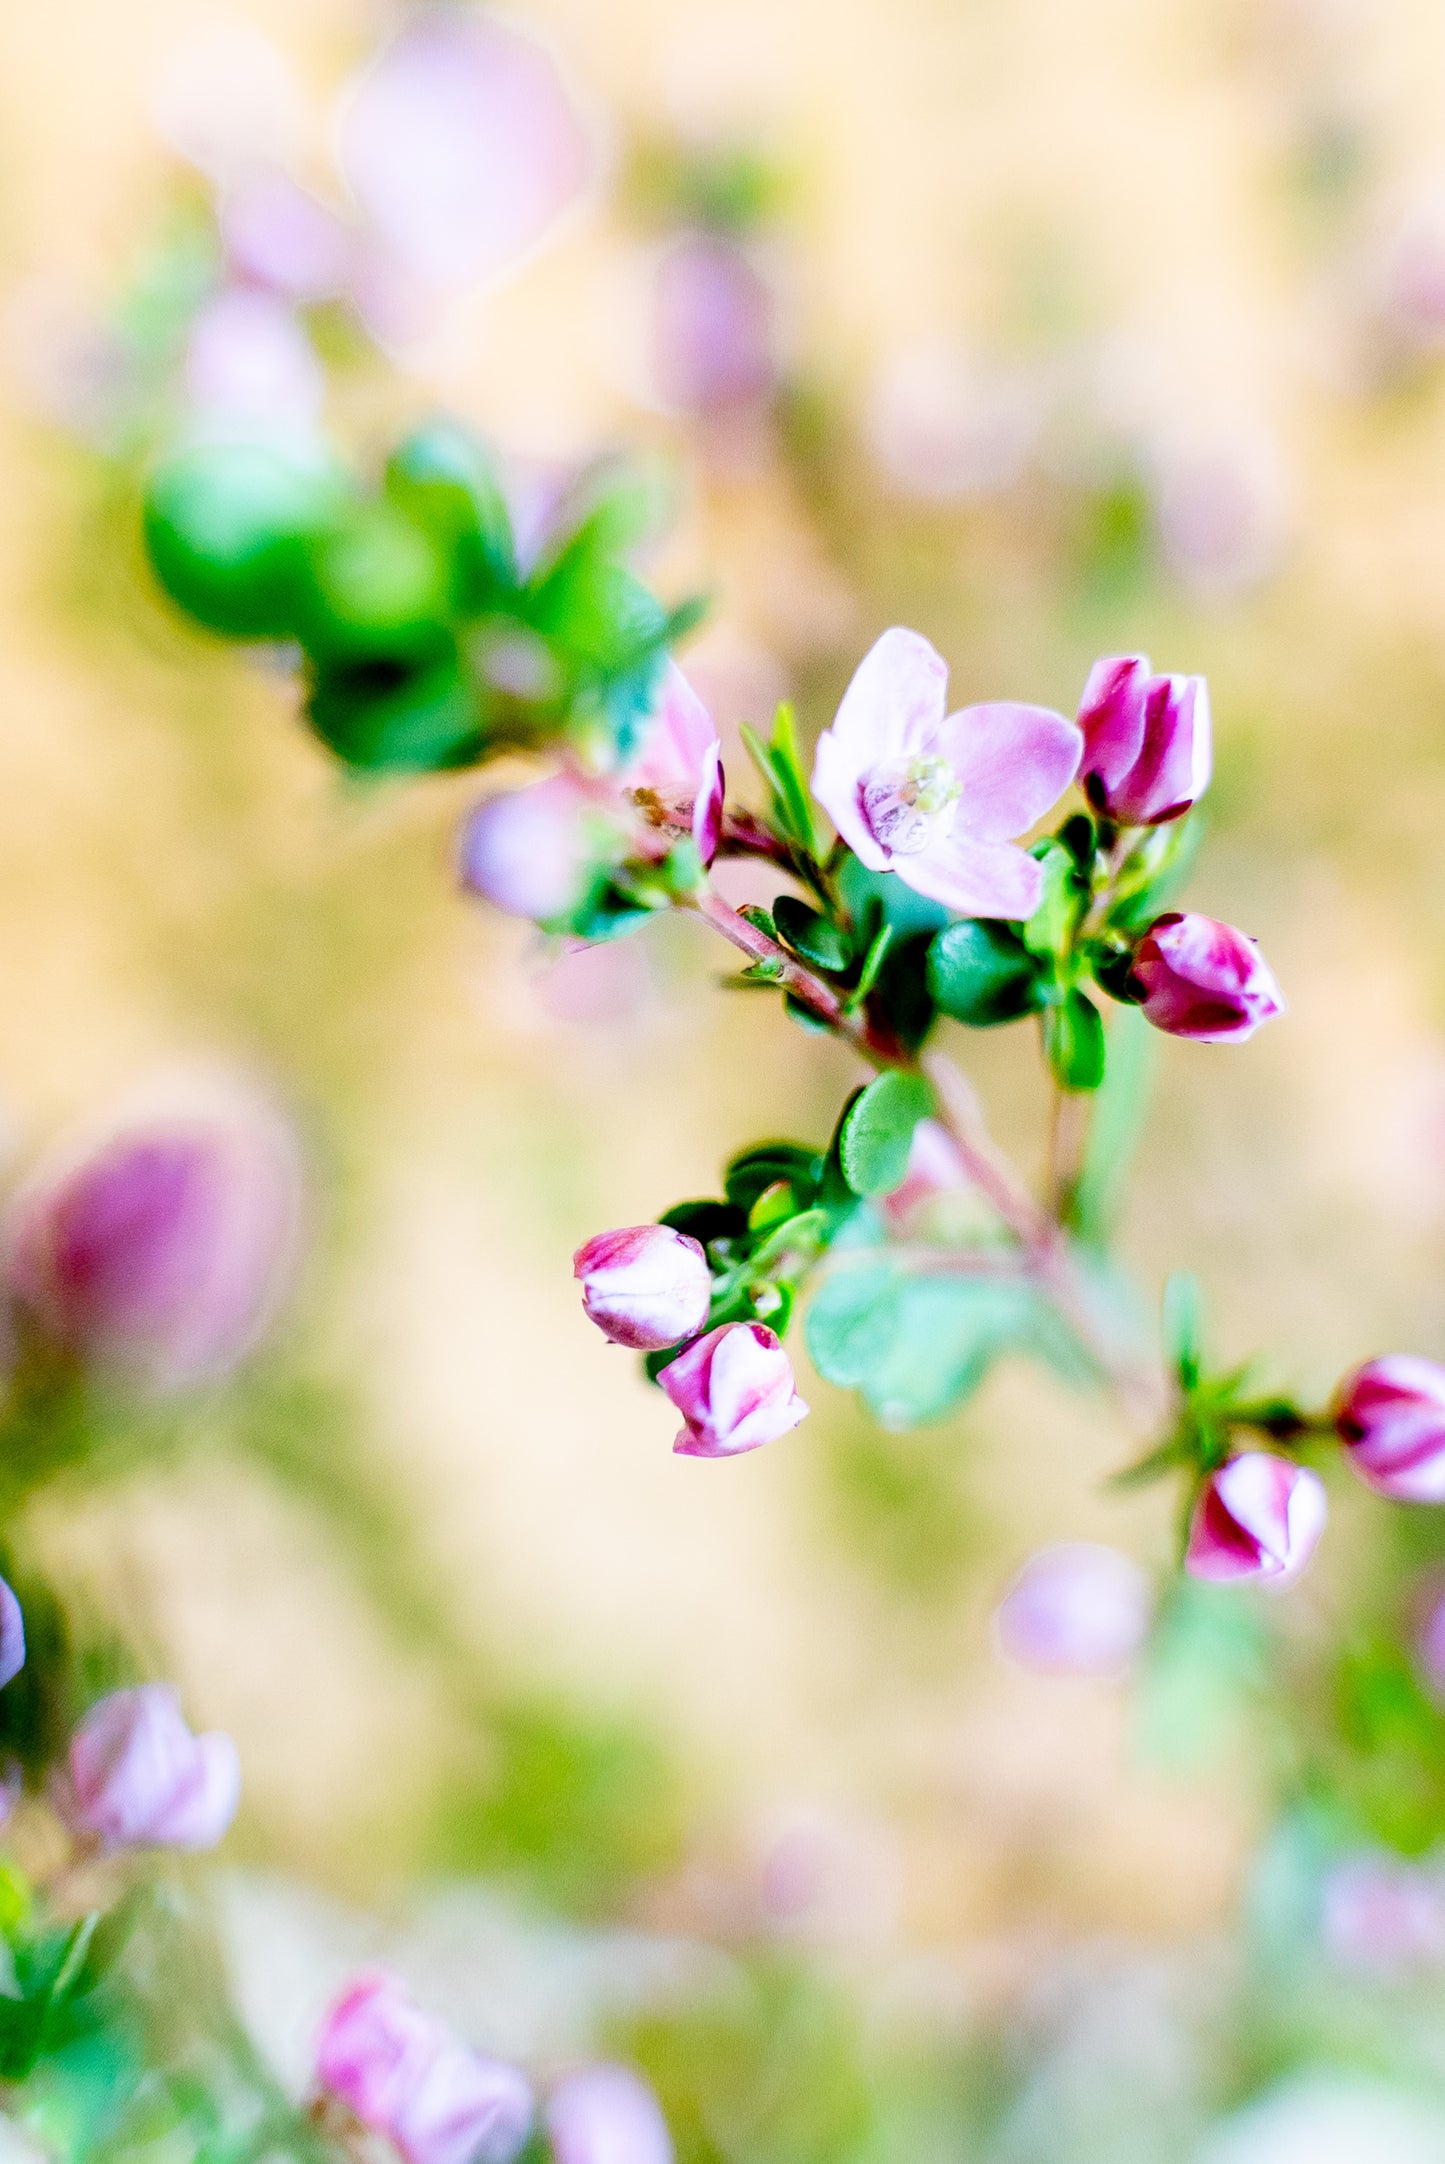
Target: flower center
906 800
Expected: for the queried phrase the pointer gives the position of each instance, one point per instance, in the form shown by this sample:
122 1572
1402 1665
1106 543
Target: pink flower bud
160 1252
714 330
1204 980
138 1778
403 2073
12 1636
279 236
1382 1915
1078 1609
532 851
606 2115
1258 1517
1390 1415
249 361
647 1286
734 1389
1147 750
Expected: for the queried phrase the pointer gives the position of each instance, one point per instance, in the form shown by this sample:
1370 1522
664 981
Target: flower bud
1383 1915
532 851
138 1778
159 1253
1204 980
606 2115
734 1389
715 338
403 2073
1078 1609
1147 747
1258 1517
646 1286
12 1636
1390 1416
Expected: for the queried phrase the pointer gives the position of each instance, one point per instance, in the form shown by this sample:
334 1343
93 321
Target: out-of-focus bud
1258 1517
403 2073
646 1286
715 336
532 851
1382 1915
1390 1416
1079 1609
606 2115
1204 980
1147 746
734 1389
138 1778
12 1636
160 1252
249 362
676 775
279 236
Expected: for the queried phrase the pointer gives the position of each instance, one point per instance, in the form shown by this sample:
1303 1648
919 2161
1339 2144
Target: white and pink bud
1204 980
1258 1517
160 1252
1147 744
402 2073
1390 1416
606 2115
645 1286
734 1389
1078 1609
136 1777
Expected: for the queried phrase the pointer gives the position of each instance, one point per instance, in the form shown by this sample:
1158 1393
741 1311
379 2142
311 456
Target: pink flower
1078 1609
646 1287
734 1389
1147 755
160 1252
714 329
12 1635
403 2073
606 2115
1390 1415
1258 1517
939 797
534 852
676 775
462 145
138 1778
280 237
248 360
1204 980
1382 1915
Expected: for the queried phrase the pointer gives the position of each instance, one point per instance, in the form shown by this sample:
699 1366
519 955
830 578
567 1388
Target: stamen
906 801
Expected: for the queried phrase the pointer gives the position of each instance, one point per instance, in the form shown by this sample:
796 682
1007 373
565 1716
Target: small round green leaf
877 1131
980 972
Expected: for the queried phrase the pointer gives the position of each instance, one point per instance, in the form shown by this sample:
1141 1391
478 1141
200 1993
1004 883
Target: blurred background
1048 331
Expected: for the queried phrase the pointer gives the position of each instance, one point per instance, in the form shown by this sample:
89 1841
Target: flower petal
1012 762
896 700
836 775
977 878
679 738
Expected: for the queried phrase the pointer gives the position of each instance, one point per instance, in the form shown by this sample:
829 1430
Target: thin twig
857 1028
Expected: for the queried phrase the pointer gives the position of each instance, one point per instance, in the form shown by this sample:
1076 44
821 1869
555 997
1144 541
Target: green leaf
1114 1126
909 913
853 1322
378 587
811 936
915 1346
1183 1327
753 1171
1050 930
1153 871
227 529
1074 1042
876 1131
980 972
390 716
706 1221
443 478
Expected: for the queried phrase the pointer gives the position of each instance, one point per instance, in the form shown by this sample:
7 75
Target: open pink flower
606 2115
1258 1517
138 1778
940 798
403 2073
734 1389
676 776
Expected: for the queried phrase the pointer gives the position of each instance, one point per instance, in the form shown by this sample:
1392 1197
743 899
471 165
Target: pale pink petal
895 702
836 775
1111 714
680 735
977 878
1012 763
707 808
205 1801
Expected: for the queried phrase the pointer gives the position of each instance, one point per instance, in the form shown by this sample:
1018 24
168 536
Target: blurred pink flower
1390 1415
138 1778
939 797
1077 1609
676 774
160 1252
1258 1517
462 146
280 236
714 330
935 1167
249 360
12 1635
646 1286
1204 980
1383 1915
606 2115
734 1389
404 2074
1147 752
533 851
